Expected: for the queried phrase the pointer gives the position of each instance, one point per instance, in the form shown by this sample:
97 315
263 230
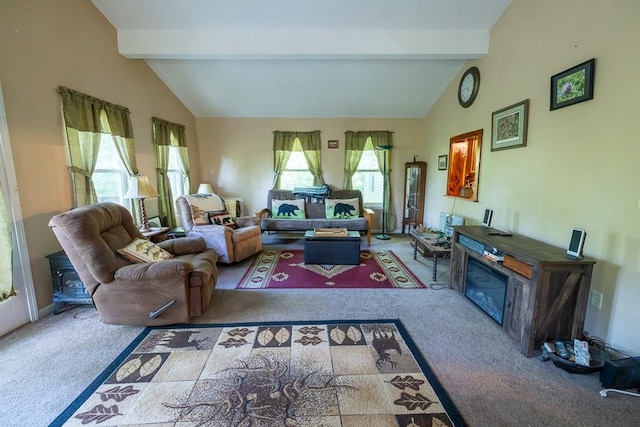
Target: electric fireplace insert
486 288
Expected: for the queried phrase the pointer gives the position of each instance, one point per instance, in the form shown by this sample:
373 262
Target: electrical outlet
596 299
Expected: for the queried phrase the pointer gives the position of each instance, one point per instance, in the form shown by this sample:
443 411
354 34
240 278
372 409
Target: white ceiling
301 58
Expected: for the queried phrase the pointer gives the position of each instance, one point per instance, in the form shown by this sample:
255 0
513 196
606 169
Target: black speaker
621 373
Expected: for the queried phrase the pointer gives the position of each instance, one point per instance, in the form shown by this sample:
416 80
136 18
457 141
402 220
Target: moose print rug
330 373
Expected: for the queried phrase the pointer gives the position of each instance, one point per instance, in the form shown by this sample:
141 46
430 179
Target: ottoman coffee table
332 248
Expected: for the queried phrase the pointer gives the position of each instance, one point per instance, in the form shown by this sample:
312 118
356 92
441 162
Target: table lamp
140 188
204 189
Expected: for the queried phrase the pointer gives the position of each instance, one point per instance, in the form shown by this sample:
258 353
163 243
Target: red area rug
275 268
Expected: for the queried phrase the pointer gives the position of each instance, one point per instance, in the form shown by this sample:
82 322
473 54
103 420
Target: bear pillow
342 208
222 218
288 209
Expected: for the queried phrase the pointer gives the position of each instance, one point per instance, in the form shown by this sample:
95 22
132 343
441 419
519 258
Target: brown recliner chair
127 293
232 245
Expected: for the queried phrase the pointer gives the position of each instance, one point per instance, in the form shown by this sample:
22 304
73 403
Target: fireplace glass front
486 288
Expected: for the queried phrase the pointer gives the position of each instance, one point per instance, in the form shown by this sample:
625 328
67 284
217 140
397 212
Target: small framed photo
154 222
333 143
509 126
442 162
573 85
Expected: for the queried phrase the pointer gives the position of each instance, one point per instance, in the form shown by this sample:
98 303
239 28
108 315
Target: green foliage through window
296 173
110 178
368 178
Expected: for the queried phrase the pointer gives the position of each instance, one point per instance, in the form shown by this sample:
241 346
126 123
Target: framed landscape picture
573 85
509 126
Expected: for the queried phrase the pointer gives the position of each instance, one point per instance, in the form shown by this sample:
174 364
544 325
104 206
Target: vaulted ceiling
301 58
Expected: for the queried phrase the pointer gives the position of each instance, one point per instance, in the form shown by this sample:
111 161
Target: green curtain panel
311 144
86 119
169 136
355 144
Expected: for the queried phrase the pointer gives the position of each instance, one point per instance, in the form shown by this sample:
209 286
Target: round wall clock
468 87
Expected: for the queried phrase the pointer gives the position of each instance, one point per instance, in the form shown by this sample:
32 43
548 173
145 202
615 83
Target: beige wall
45 44
579 168
237 154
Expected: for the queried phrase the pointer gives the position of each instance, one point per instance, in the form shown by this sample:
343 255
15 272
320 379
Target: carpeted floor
275 268
46 364
335 373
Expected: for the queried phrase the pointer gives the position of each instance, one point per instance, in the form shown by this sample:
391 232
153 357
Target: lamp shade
205 189
140 188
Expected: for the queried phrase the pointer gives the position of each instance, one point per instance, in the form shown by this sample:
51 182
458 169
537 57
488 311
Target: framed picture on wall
573 85
509 126
332 143
442 163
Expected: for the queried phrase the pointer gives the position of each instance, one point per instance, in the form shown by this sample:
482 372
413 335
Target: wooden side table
157 234
430 245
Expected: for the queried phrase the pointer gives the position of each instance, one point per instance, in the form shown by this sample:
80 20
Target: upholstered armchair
234 239
127 292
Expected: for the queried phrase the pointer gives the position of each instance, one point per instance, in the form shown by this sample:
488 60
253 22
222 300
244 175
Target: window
368 178
172 165
296 174
177 179
110 177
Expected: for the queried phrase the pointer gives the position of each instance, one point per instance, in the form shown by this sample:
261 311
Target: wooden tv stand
547 293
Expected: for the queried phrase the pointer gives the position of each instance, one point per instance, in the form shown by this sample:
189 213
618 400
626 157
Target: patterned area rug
336 373
275 268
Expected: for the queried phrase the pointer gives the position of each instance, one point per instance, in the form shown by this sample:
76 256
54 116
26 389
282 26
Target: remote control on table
562 350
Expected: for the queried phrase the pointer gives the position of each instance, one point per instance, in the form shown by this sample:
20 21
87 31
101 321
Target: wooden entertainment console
547 293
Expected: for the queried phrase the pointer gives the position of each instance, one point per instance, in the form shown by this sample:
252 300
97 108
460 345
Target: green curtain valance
163 129
82 112
355 140
310 141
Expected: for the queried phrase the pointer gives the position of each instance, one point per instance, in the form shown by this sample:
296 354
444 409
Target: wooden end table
156 234
431 246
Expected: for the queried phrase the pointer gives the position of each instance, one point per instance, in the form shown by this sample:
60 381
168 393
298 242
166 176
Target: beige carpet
344 373
46 364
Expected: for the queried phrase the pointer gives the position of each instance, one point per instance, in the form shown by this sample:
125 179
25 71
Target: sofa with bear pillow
288 211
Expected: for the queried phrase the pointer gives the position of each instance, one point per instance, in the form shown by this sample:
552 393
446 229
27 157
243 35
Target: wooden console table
547 293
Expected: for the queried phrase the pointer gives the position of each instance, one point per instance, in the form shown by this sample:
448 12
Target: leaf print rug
274 268
322 373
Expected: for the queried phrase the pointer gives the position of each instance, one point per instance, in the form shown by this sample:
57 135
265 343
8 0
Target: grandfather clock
415 175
